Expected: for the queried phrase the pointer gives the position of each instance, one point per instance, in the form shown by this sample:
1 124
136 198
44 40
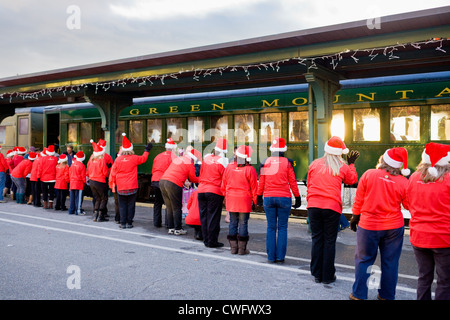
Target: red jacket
35 169
77 175
239 186
15 160
97 170
193 217
179 170
323 189
211 172
160 164
22 169
429 205
378 200
47 169
277 178
3 164
62 177
124 171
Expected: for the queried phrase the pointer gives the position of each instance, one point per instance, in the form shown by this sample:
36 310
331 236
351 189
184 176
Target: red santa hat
21 150
44 152
244 152
80 156
436 154
193 153
102 143
126 144
397 158
170 144
9 153
278 145
62 158
98 150
50 150
32 156
221 145
335 146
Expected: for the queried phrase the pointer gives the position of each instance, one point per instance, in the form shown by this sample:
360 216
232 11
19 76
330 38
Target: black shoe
215 245
122 226
129 226
329 281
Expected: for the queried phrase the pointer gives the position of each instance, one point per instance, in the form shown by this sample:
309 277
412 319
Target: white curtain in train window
136 131
270 127
405 123
174 129
440 122
2 135
338 124
154 130
244 128
219 128
195 129
72 132
298 126
366 124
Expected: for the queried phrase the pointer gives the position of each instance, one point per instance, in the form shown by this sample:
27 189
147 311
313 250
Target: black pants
36 192
172 195
157 206
99 192
210 208
61 196
127 208
48 191
324 225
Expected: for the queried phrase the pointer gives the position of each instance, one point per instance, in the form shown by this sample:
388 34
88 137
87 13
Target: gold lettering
267 104
134 112
404 93
173 109
360 95
445 91
304 101
195 107
152 110
336 98
217 106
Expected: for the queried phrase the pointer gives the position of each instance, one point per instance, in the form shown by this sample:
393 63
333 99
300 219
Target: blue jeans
277 211
76 201
2 183
390 243
238 224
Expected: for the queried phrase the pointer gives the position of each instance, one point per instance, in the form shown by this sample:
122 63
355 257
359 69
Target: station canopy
408 43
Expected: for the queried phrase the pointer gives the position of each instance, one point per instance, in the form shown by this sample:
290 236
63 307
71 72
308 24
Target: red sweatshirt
277 178
97 170
211 173
77 175
3 164
124 172
193 217
22 169
62 176
378 200
47 169
180 169
239 186
429 205
16 159
323 189
35 169
160 164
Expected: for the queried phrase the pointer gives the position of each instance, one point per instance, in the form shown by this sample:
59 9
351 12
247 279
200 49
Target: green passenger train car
370 115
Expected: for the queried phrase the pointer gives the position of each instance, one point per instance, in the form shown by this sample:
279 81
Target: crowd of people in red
381 195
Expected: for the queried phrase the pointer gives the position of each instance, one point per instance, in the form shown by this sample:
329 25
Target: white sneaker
171 231
180 232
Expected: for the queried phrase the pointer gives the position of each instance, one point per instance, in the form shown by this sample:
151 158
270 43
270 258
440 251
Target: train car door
52 131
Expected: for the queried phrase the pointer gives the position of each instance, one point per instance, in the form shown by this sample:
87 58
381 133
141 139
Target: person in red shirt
378 220
210 196
276 180
324 204
3 168
171 185
239 185
160 164
97 172
124 177
17 157
428 195
19 174
109 162
62 182
193 217
77 180
47 175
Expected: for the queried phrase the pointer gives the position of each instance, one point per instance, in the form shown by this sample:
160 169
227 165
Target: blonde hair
391 170
127 153
426 177
333 163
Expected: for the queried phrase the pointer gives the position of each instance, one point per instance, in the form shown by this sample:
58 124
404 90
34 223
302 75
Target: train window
366 124
72 132
99 133
174 129
195 129
405 123
440 122
270 127
136 131
219 127
298 126
120 129
85 132
244 128
338 124
2 134
23 125
154 130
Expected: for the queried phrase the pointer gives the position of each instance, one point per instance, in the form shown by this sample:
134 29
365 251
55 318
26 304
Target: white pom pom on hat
397 158
335 146
436 154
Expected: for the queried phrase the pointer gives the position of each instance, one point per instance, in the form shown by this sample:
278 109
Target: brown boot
45 205
233 243
50 204
30 199
242 245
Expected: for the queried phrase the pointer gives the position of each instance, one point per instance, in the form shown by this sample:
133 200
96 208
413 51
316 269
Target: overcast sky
51 34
